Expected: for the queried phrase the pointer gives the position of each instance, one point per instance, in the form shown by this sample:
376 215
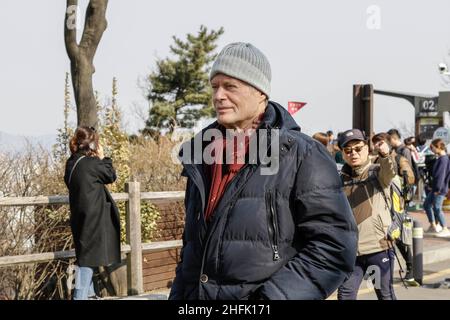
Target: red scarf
221 174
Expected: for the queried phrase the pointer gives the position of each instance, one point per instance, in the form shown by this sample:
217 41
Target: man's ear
262 97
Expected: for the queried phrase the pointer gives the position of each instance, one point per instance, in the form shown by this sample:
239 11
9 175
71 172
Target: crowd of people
423 162
370 177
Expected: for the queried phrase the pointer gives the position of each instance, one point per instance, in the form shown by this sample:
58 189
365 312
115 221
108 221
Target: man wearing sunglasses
364 184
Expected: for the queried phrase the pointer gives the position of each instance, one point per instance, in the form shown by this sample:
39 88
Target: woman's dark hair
322 138
85 140
409 141
421 140
394 132
439 144
383 136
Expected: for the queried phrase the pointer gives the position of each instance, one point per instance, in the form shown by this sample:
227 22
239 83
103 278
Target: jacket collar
357 171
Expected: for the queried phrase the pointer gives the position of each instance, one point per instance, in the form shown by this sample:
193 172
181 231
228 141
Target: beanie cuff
242 70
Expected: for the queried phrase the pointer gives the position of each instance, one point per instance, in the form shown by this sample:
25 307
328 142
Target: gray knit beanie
245 62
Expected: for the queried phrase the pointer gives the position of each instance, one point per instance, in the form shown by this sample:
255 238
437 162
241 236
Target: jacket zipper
272 224
208 238
214 227
232 202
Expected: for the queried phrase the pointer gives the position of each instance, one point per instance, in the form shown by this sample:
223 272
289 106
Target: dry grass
25 230
151 164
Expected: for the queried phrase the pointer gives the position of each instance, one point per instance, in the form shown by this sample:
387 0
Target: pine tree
179 90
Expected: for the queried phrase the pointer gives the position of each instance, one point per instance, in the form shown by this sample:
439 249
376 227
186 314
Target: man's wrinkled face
236 102
355 153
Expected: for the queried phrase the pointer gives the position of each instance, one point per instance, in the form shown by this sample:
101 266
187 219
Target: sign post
442 133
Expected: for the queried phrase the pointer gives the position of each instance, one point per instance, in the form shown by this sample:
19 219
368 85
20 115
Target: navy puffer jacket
290 235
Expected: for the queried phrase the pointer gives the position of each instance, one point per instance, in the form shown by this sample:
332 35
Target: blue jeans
433 208
380 267
84 287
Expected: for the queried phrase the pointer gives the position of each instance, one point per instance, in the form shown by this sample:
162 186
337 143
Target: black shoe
409 276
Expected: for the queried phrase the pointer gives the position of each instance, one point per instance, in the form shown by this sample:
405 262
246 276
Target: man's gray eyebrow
228 81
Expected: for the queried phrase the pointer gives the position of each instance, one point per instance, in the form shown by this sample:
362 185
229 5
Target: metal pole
418 252
363 109
420 188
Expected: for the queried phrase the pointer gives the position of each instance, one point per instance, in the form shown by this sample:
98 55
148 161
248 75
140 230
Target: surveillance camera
443 68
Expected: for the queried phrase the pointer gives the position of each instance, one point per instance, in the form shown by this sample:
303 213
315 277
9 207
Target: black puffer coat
290 235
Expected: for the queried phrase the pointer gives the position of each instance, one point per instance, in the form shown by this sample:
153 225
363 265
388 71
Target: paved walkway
431 242
436 253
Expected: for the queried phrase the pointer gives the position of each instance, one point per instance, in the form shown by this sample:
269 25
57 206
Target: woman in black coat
94 218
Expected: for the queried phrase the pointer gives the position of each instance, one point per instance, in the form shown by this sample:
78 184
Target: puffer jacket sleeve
327 231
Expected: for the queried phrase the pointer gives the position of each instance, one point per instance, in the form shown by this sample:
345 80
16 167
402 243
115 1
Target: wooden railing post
134 258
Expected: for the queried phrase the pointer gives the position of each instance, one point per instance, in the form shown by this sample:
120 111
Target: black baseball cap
350 135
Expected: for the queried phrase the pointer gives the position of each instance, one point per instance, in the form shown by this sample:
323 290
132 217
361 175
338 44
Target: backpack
428 170
402 223
400 154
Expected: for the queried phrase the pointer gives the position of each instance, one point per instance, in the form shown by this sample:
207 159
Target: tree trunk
82 56
82 68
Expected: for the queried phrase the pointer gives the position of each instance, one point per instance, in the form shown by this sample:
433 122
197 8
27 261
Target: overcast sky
317 50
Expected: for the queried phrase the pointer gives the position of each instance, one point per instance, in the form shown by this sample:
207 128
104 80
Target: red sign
293 107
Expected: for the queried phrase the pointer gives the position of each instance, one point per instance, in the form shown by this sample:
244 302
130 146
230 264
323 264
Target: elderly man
367 188
250 232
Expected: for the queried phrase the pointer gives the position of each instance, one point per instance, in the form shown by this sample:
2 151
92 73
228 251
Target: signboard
427 127
293 106
442 133
427 106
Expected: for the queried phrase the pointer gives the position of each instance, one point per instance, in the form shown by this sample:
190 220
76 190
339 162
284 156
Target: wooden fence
134 247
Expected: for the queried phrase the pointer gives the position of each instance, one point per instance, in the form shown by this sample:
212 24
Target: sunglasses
349 150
